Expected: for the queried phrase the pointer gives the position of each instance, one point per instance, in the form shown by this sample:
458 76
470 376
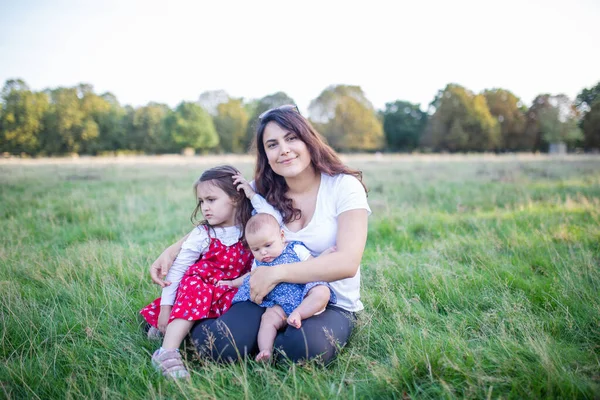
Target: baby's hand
226 283
330 250
236 283
242 184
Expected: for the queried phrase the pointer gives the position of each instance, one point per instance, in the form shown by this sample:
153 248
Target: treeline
77 120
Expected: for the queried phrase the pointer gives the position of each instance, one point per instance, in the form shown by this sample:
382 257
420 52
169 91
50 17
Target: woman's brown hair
324 159
222 177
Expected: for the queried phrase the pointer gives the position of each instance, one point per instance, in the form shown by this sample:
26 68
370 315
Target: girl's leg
321 336
315 301
272 320
167 359
177 330
231 336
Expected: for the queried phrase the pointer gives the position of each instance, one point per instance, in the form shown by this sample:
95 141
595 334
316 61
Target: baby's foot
295 319
264 356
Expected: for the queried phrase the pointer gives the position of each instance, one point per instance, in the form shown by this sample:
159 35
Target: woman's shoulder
341 182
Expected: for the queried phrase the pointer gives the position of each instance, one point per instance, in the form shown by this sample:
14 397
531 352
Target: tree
21 118
347 119
552 119
586 99
96 110
558 123
557 128
69 126
147 131
591 127
510 113
191 126
403 124
461 121
111 125
588 102
533 133
231 122
211 99
262 105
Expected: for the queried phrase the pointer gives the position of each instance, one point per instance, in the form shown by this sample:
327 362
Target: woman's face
288 156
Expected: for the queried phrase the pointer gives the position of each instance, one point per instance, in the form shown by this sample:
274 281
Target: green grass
481 279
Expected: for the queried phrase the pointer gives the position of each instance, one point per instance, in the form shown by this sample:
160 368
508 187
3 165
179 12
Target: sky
167 52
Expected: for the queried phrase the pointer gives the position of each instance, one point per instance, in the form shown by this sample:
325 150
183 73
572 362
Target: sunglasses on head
286 107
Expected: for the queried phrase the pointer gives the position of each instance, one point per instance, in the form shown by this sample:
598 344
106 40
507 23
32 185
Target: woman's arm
161 266
350 244
195 245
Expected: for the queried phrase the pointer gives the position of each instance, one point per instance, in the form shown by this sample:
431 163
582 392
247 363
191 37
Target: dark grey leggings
233 335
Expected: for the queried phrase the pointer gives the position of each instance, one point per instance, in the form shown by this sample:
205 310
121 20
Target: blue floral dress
287 295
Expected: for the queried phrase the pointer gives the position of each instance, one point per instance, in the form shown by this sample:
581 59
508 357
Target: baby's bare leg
272 320
315 301
176 332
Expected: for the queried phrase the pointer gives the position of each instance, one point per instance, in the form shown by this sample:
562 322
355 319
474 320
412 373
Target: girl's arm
161 266
343 263
259 203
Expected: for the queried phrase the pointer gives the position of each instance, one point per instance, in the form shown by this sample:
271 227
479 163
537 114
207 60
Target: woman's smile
288 160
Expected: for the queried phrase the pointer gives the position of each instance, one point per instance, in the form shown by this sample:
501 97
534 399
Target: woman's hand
163 263
160 267
263 280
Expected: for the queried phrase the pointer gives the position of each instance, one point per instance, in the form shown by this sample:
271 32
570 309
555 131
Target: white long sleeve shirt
192 249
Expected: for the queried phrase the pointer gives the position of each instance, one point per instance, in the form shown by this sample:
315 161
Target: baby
288 302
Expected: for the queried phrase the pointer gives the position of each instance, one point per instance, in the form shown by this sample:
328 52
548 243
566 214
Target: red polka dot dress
198 297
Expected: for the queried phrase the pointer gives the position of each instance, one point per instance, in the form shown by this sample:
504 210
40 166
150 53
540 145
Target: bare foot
295 319
264 356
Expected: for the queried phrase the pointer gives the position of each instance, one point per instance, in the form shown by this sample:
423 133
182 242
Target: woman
323 203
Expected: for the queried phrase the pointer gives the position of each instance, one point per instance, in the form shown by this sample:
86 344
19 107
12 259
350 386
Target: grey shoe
170 364
154 333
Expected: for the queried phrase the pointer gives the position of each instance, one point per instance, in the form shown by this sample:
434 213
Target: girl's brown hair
222 177
323 158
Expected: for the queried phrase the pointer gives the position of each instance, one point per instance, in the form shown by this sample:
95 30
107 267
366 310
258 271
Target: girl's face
216 206
288 156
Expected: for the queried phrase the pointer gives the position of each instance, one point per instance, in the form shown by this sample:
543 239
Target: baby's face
267 243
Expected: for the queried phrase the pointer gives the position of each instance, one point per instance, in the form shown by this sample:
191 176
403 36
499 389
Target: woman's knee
230 337
320 338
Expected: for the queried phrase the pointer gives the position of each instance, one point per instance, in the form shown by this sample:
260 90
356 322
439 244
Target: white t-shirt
336 194
194 246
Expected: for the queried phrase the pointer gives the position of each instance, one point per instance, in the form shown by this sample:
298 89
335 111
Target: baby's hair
222 177
259 221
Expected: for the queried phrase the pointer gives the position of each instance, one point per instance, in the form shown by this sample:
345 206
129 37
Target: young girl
287 302
213 252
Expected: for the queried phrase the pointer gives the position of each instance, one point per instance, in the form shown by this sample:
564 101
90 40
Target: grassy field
481 279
